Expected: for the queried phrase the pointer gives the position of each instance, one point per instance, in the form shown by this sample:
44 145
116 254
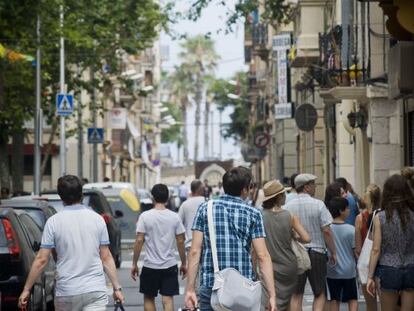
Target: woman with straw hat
280 226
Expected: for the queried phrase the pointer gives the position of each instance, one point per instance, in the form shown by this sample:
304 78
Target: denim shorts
204 299
395 279
93 301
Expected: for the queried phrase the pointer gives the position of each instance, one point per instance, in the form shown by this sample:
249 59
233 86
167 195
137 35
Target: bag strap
212 233
372 221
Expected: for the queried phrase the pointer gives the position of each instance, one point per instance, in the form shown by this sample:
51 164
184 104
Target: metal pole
220 136
62 91
38 121
95 145
80 134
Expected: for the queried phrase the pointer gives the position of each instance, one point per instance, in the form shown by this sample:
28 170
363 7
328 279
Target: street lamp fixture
233 96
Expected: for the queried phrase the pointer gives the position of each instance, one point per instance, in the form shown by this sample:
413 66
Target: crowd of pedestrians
256 229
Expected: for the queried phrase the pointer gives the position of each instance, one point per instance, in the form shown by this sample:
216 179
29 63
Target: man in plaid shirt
238 226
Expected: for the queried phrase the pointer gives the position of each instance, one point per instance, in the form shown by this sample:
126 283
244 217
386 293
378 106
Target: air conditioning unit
401 69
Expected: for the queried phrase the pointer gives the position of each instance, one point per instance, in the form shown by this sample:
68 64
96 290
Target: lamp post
62 148
38 116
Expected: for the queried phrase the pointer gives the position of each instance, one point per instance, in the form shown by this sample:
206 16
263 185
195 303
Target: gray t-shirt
160 228
345 268
76 233
187 214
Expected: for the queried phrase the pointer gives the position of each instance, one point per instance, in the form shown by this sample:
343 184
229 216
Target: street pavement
135 300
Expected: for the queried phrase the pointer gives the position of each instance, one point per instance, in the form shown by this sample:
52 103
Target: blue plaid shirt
237 224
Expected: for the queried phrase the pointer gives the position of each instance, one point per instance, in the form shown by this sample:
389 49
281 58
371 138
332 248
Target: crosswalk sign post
95 135
64 104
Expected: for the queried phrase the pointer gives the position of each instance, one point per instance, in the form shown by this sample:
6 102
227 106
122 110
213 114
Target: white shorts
93 301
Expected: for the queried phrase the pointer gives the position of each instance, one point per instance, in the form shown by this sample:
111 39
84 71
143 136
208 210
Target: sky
231 50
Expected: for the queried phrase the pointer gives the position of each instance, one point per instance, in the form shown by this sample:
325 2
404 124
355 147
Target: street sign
64 104
95 135
306 117
281 42
261 140
283 111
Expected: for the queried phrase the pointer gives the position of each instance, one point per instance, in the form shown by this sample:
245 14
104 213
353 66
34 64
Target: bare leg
296 302
353 305
149 303
333 305
407 300
168 303
389 301
319 302
371 302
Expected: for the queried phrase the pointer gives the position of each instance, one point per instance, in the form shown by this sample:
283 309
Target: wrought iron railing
259 35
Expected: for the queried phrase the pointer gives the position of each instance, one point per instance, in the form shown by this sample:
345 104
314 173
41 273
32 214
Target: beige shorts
93 301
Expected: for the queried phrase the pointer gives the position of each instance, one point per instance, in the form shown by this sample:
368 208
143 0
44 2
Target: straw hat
272 189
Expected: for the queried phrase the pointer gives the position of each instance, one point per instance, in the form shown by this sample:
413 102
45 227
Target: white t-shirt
187 213
76 233
160 228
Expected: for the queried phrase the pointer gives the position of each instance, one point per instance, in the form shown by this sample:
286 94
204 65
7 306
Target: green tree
200 59
173 134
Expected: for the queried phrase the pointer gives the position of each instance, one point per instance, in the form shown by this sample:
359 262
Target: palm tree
199 58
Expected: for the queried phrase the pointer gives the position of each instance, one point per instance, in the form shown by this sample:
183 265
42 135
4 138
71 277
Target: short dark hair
337 205
236 179
69 188
333 190
292 180
160 193
343 182
196 185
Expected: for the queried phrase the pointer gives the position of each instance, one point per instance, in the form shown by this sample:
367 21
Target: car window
58 205
32 230
96 204
38 216
3 239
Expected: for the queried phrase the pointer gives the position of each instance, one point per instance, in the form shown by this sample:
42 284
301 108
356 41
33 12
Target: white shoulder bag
231 290
363 260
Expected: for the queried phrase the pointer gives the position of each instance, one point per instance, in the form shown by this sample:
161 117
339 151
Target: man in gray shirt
189 209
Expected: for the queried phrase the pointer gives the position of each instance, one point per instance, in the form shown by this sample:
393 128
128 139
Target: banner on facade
117 118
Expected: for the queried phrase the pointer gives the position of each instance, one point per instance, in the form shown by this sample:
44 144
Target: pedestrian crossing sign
64 104
95 135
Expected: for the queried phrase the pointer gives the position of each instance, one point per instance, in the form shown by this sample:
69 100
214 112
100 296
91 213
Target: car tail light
106 217
12 243
9 298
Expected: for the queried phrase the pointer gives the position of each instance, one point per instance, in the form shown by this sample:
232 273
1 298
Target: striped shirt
313 215
236 224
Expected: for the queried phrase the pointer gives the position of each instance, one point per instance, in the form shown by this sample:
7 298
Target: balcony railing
343 57
259 35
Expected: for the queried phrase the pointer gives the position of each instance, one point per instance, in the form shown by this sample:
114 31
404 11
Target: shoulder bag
363 260
302 256
231 290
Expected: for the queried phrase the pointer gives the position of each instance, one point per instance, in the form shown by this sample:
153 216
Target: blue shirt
353 209
345 268
236 224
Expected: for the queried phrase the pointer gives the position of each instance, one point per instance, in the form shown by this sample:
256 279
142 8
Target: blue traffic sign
95 135
64 104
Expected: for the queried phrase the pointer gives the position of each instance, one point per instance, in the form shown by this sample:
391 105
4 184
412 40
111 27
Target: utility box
401 69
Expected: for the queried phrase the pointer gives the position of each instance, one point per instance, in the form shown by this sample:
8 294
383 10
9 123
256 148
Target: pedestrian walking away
159 228
182 192
80 280
341 278
392 255
316 220
238 226
279 224
189 209
208 190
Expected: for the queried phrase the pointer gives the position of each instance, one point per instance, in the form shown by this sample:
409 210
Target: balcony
260 40
343 58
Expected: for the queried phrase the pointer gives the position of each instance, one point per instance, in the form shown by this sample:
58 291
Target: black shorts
316 275
164 281
342 290
395 279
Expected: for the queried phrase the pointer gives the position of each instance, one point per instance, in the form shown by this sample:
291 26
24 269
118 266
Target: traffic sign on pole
64 104
95 135
261 140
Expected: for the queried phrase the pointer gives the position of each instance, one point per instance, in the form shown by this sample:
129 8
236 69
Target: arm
330 243
139 242
180 238
266 270
110 270
193 263
40 262
358 236
304 236
375 254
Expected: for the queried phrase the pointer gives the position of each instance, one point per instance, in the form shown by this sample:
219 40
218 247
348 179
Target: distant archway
213 173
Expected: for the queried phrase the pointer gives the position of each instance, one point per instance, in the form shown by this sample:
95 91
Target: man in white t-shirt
80 239
182 192
160 228
188 209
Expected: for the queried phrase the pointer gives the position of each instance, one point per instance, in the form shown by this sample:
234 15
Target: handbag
302 257
118 305
363 260
231 290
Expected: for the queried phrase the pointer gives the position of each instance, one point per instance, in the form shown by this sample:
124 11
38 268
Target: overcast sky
231 50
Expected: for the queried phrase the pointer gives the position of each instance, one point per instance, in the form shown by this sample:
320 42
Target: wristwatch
118 289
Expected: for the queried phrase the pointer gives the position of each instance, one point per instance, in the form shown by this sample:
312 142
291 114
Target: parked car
145 198
122 199
97 201
20 239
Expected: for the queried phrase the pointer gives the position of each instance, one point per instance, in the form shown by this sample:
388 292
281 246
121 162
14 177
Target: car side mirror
36 246
118 214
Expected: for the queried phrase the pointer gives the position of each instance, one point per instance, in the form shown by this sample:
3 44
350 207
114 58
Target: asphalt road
135 300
